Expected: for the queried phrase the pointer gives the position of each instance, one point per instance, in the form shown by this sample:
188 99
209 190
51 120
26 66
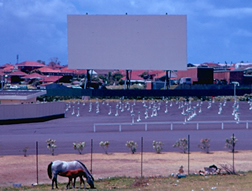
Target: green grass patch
193 182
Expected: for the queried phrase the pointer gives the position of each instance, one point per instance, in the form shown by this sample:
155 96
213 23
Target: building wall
236 76
222 75
190 72
36 110
198 75
11 101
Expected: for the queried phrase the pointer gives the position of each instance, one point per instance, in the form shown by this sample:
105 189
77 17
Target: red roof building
29 65
49 71
48 79
33 76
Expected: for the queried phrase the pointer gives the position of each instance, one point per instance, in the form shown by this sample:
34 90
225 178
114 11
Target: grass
193 182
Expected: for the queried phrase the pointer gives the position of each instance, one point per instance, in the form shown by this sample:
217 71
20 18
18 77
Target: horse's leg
74 182
52 183
54 180
68 184
82 180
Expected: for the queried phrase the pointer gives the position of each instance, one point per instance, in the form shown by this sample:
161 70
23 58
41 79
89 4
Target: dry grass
20 169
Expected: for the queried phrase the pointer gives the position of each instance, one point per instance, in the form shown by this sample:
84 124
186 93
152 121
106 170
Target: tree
79 146
116 77
231 142
145 75
50 145
205 144
41 62
181 144
103 78
54 61
25 151
132 146
158 146
104 145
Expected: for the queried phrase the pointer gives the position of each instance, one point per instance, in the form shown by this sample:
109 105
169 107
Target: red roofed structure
29 65
8 69
15 77
67 71
49 71
47 79
17 73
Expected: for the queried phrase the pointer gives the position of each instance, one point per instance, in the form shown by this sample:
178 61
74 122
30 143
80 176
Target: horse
74 177
72 169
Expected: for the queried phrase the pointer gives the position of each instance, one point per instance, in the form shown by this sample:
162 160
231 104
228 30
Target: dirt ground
22 170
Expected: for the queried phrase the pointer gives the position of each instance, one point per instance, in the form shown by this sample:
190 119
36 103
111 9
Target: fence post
222 126
94 128
37 160
141 157
233 150
91 170
188 154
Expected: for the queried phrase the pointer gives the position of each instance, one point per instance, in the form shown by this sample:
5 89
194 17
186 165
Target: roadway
15 137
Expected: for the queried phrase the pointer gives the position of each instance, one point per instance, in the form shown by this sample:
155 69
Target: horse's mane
87 171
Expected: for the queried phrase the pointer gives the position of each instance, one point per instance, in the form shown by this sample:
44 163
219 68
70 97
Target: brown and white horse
72 169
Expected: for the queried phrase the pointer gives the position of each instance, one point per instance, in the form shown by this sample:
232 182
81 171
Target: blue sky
217 30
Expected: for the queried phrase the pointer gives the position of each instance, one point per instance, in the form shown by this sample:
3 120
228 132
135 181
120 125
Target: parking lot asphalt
162 120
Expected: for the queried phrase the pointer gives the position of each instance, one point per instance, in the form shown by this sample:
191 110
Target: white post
94 128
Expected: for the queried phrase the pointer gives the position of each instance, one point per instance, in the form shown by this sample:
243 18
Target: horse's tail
49 170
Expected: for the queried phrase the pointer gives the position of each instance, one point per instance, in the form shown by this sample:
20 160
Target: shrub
132 146
230 143
25 151
181 144
158 146
79 146
104 145
50 145
205 144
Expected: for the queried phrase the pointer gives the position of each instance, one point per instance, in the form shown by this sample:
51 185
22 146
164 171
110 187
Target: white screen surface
134 42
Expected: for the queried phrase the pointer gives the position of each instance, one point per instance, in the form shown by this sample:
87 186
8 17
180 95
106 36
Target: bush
158 146
50 145
25 151
181 144
79 146
230 143
104 145
205 145
132 146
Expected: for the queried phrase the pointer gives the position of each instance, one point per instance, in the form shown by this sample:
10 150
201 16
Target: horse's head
90 181
88 175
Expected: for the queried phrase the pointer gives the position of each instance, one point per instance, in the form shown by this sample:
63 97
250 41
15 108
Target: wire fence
142 163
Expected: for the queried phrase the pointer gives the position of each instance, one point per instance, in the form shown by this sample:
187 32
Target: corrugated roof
46 69
51 78
30 63
17 73
33 76
67 70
